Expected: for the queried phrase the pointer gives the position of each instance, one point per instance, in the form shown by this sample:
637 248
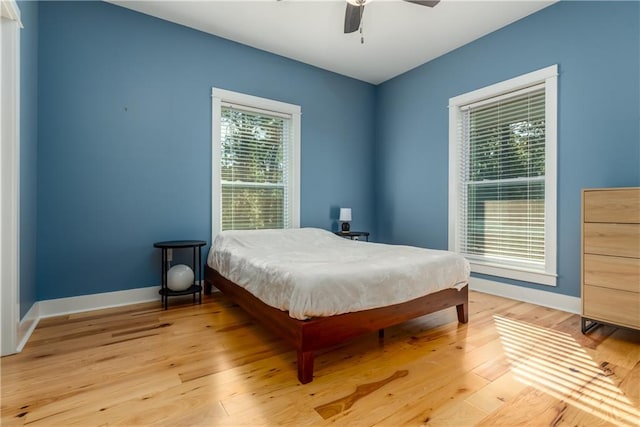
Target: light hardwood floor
513 364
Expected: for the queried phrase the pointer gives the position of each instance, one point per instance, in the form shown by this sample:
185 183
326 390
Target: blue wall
28 152
124 154
124 133
597 48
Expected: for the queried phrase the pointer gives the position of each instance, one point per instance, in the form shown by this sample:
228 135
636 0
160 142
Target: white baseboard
62 306
27 326
535 296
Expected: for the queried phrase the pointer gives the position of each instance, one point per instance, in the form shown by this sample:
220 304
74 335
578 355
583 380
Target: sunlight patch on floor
555 363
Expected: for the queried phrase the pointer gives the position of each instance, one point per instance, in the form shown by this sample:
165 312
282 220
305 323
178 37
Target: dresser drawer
611 306
612 272
619 205
612 239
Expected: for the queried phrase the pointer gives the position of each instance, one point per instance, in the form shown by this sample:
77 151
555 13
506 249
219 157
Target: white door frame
9 175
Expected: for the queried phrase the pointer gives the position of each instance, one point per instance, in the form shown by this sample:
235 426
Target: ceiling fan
355 9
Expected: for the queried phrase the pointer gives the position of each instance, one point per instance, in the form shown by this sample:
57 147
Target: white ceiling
398 35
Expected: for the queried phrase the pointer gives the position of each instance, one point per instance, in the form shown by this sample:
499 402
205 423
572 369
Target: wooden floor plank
212 364
497 393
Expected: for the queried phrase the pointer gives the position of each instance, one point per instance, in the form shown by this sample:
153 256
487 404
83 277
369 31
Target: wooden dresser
611 257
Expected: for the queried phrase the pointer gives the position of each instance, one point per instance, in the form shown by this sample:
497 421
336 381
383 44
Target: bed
317 290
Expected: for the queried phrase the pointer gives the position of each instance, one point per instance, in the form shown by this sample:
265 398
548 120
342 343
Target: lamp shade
345 214
179 277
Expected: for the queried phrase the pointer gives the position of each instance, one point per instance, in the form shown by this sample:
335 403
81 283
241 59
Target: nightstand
353 235
195 288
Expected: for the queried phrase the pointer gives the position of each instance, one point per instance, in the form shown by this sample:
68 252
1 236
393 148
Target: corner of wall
376 165
27 325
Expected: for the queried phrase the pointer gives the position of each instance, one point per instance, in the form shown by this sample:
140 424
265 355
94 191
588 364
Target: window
502 184
255 173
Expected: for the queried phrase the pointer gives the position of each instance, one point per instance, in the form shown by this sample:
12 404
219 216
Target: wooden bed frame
318 333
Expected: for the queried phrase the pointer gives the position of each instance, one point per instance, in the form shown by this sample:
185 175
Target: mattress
311 272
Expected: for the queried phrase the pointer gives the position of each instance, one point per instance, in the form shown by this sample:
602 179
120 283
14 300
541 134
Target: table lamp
345 217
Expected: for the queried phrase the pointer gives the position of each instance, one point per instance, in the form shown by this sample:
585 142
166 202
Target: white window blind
254 172
502 179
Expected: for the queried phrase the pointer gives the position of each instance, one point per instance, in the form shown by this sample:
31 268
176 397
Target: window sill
515 273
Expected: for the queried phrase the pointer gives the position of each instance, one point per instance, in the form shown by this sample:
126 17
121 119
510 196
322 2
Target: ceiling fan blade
428 3
352 18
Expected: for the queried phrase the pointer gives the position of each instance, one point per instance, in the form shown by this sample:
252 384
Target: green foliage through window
253 169
504 152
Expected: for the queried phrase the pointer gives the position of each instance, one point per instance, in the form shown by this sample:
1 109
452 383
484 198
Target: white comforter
312 272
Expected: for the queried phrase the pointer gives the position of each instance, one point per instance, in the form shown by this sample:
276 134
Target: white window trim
9 9
10 176
220 96
548 76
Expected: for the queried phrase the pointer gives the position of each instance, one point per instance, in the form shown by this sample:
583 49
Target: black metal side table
353 234
196 266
